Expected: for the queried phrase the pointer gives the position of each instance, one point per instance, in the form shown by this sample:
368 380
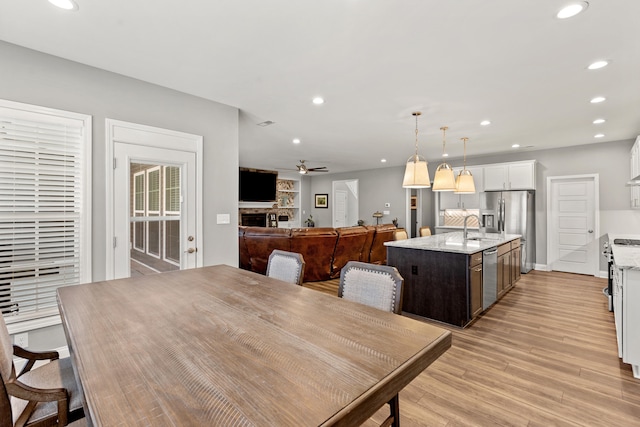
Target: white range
626 297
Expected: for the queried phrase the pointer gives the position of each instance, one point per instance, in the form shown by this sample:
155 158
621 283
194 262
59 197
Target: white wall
34 78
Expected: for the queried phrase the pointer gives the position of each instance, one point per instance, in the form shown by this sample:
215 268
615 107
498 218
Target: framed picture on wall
322 201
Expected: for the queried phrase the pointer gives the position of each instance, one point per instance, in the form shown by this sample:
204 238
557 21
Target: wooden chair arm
34 395
32 357
25 392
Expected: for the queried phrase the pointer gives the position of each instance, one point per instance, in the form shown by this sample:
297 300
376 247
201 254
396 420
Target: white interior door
572 224
154 199
340 208
155 215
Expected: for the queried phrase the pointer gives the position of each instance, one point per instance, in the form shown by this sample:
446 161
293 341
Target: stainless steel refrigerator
512 212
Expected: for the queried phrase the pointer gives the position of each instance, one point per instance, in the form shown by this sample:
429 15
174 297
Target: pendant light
444 179
416 173
464 183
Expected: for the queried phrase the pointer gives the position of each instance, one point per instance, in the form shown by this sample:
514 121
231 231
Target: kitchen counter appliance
489 277
512 212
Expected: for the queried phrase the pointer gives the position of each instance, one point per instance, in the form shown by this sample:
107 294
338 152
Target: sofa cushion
261 241
349 247
244 259
316 246
383 233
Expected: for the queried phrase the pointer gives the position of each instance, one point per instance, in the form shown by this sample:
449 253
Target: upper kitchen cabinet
451 200
510 176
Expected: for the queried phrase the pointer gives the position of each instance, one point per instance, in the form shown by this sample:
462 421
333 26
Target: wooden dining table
224 346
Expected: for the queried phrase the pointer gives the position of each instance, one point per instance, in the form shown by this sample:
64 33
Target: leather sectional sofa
325 250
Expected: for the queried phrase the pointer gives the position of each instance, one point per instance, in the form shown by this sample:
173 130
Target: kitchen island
443 274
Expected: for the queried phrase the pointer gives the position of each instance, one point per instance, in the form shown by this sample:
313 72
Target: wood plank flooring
544 355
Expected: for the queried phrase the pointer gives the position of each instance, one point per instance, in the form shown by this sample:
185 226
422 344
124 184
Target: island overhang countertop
454 242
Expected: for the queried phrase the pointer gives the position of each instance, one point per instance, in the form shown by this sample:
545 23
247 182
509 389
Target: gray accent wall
32 77
610 160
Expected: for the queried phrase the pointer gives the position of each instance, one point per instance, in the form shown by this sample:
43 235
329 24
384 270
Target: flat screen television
257 185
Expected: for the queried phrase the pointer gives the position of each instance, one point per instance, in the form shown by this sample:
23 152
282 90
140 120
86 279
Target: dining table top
223 346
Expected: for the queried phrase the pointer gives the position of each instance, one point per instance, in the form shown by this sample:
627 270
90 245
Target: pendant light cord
444 139
416 114
464 158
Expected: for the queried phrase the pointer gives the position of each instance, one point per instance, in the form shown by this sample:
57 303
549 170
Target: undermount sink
481 238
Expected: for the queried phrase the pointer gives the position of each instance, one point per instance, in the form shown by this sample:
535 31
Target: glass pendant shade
416 173
444 179
464 183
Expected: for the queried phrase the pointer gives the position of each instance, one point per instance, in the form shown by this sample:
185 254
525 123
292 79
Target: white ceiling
374 61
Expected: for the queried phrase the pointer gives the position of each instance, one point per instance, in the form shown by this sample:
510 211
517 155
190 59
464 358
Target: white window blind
44 214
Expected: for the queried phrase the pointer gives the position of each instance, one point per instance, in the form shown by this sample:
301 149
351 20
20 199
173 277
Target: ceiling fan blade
318 170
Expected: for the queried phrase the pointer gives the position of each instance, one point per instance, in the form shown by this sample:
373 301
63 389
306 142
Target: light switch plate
223 219
386 212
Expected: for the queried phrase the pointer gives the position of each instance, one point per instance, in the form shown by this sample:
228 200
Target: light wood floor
544 355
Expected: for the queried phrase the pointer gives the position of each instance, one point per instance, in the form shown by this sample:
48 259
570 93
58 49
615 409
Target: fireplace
254 219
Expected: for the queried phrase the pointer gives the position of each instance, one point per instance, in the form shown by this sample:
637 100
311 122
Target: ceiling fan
303 169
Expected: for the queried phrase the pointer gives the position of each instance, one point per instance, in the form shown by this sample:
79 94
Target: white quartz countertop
625 256
453 242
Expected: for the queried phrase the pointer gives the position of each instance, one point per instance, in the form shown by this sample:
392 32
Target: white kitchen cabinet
626 305
451 200
510 176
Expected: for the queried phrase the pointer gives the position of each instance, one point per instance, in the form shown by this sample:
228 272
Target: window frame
34 113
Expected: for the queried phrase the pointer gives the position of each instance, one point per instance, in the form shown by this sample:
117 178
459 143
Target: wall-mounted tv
257 185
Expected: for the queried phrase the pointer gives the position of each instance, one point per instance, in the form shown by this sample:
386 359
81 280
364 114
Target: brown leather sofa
325 250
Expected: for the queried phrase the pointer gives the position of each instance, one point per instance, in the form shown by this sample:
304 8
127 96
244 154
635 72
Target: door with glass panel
154 210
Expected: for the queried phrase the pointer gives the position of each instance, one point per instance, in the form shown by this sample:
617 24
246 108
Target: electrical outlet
21 340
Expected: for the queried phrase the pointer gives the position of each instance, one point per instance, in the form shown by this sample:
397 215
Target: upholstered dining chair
286 266
43 396
378 286
425 231
400 234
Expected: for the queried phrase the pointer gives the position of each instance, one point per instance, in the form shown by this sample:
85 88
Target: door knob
590 231
191 250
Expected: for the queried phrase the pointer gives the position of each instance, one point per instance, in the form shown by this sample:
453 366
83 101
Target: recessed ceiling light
318 101
383 160
597 99
485 123
598 121
599 135
515 146
572 9
296 141
65 4
597 65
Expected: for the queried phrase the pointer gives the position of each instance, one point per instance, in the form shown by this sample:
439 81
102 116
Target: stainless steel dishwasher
489 277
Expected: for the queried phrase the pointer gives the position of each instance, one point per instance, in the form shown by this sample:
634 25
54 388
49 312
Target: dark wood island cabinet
443 274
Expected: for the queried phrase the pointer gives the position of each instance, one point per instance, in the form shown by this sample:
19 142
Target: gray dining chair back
46 395
378 286
286 266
